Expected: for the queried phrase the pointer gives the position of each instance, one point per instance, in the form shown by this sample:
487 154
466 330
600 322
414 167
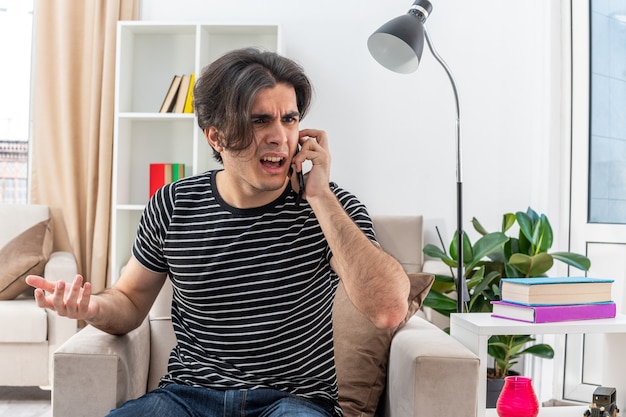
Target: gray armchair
95 372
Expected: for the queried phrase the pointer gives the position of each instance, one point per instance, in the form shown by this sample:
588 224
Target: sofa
413 370
29 335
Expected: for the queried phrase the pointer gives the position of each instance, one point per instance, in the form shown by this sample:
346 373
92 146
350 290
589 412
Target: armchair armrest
436 267
95 372
61 266
430 373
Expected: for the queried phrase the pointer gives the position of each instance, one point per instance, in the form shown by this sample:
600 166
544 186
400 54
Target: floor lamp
397 45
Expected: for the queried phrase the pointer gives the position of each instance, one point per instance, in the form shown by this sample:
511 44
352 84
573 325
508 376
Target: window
16 21
598 174
607 185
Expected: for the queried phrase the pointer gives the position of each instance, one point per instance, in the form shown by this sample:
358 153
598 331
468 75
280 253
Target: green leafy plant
496 255
506 349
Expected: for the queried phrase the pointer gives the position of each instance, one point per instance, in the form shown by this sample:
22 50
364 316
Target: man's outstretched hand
71 301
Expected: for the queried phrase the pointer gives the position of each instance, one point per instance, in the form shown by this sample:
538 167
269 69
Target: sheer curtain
72 131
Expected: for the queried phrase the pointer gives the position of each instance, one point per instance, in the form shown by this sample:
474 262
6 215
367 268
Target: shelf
130 207
566 411
485 324
148 116
148 55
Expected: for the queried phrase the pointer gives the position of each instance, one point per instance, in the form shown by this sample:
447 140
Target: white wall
392 136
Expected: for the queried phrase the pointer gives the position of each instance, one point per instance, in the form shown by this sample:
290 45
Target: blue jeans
184 401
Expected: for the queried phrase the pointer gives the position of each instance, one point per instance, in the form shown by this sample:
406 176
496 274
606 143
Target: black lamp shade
397 45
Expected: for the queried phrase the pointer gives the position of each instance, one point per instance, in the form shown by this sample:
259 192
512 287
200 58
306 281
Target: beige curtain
72 136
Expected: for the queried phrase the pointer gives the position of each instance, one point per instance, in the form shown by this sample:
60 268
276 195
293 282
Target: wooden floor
24 402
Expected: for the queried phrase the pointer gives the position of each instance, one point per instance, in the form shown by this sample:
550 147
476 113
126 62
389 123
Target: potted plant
492 257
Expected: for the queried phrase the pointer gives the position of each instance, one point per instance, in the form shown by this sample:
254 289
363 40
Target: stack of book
179 97
164 173
544 300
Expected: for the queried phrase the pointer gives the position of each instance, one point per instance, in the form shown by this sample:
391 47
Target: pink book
553 313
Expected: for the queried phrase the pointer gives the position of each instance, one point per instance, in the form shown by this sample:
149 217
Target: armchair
428 372
28 334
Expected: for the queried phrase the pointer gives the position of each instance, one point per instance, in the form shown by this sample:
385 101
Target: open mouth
272 162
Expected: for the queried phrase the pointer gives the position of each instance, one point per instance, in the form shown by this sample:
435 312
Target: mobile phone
300 182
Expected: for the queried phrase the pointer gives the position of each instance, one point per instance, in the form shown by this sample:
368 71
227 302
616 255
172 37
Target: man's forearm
116 314
375 282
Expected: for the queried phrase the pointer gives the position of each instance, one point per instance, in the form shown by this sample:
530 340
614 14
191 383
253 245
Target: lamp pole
461 287
398 45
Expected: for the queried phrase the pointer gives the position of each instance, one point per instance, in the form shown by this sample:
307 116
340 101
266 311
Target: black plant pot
494 387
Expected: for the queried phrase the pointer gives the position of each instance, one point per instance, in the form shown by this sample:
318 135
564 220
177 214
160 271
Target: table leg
478 345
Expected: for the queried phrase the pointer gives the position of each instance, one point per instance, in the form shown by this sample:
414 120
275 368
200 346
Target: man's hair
226 89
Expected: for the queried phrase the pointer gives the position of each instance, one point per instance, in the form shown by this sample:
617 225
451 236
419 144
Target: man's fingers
84 299
58 297
74 292
72 301
39 282
40 298
319 137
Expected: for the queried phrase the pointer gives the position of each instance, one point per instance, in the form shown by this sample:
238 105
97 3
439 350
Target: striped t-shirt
253 288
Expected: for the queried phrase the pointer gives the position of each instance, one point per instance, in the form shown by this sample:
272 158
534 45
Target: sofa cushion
25 254
362 350
22 322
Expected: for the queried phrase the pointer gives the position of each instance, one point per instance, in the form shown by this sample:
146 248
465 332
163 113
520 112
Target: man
253 260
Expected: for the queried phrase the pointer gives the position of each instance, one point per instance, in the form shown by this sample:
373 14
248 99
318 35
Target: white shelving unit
474 330
149 54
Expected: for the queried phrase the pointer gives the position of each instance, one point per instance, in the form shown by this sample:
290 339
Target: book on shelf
556 290
189 99
181 97
553 313
164 173
170 96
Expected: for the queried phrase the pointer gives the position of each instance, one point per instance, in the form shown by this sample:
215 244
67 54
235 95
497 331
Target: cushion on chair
24 255
362 350
21 321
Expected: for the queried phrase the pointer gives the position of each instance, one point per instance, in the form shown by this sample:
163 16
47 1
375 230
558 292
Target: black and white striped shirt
253 288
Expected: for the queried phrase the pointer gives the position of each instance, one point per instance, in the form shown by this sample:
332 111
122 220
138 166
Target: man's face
259 172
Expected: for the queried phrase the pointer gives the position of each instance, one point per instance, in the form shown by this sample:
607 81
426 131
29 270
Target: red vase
517 398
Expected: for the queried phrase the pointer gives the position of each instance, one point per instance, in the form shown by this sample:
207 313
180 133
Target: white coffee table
474 330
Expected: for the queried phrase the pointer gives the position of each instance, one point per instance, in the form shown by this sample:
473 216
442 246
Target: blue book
556 290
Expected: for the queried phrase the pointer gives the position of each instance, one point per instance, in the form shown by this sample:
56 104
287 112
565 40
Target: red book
157 177
553 313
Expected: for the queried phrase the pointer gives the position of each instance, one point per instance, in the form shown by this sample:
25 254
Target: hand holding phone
315 165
